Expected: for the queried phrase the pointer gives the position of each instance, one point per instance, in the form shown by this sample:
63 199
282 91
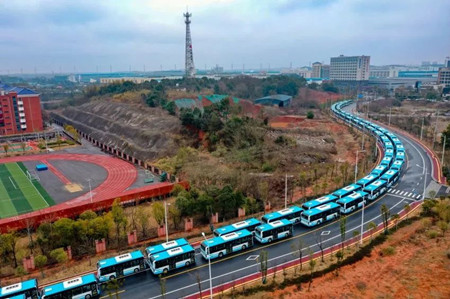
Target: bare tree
199 283
343 229
320 244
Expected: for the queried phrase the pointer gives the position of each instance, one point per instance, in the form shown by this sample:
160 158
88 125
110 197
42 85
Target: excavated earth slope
146 133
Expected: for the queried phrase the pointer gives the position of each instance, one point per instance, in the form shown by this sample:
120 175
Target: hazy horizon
86 36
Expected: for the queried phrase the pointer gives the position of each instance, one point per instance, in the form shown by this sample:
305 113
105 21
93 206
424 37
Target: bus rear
28 288
121 265
275 230
171 259
320 214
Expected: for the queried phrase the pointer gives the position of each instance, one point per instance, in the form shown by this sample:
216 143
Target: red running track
121 174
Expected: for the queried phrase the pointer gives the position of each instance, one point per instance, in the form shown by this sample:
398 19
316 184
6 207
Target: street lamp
443 150
209 266
356 164
285 190
165 217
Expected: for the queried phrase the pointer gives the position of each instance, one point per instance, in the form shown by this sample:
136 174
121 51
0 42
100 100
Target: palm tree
371 227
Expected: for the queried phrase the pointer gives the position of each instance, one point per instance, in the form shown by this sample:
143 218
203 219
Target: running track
121 174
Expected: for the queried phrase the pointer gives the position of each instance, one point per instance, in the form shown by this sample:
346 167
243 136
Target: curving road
410 188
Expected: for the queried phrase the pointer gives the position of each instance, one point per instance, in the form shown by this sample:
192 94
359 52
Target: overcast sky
90 34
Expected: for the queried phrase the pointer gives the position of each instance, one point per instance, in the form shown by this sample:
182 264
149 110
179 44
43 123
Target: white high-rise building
349 68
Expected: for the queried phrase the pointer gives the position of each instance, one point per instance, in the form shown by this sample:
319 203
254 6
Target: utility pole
356 164
443 150
390 112
421 128
435 128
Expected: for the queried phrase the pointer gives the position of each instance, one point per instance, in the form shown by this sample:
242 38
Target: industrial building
444 76
20 110
280 100
349 68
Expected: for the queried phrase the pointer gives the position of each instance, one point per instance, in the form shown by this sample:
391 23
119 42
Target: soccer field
19 194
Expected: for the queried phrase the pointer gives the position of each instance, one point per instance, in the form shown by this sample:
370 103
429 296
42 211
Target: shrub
387 251
310 115
361 286
426 223
432 234
267 167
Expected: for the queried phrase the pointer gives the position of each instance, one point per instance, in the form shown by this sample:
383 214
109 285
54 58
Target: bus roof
375 185
388 174
366 179
225 238
320 209
167 245
346 190
163 255
281 213
236 226
120 259
268 226
69 284
17 287
398 163
353 196
319 201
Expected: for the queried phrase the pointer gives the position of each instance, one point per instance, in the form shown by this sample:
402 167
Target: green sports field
19 194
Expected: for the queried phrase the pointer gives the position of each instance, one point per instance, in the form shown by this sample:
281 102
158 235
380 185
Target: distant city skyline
99 36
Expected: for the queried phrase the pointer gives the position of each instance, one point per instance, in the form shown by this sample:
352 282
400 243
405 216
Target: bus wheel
87 296
112 277
244 247
136 270
220 254
165 271
270 240
187 264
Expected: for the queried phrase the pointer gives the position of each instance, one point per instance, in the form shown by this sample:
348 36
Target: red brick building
20 111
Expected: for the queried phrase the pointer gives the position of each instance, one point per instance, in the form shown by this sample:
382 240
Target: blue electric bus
171 259
321 214
389 153
217 247
76 288
248 224
398 165
121 265
318 202
352 202
386 161
275 230
368 179
165 246
390 176
28 288
343 192
379 170
400 156
400 148
376 189
292 214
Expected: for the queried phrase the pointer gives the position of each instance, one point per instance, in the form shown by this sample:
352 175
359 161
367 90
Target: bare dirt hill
146 133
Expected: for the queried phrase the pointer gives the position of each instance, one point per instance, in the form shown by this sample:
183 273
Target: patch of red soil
419 268
287 121
320 97
249 109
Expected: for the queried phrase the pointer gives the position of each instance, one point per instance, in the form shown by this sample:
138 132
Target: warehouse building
280 100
